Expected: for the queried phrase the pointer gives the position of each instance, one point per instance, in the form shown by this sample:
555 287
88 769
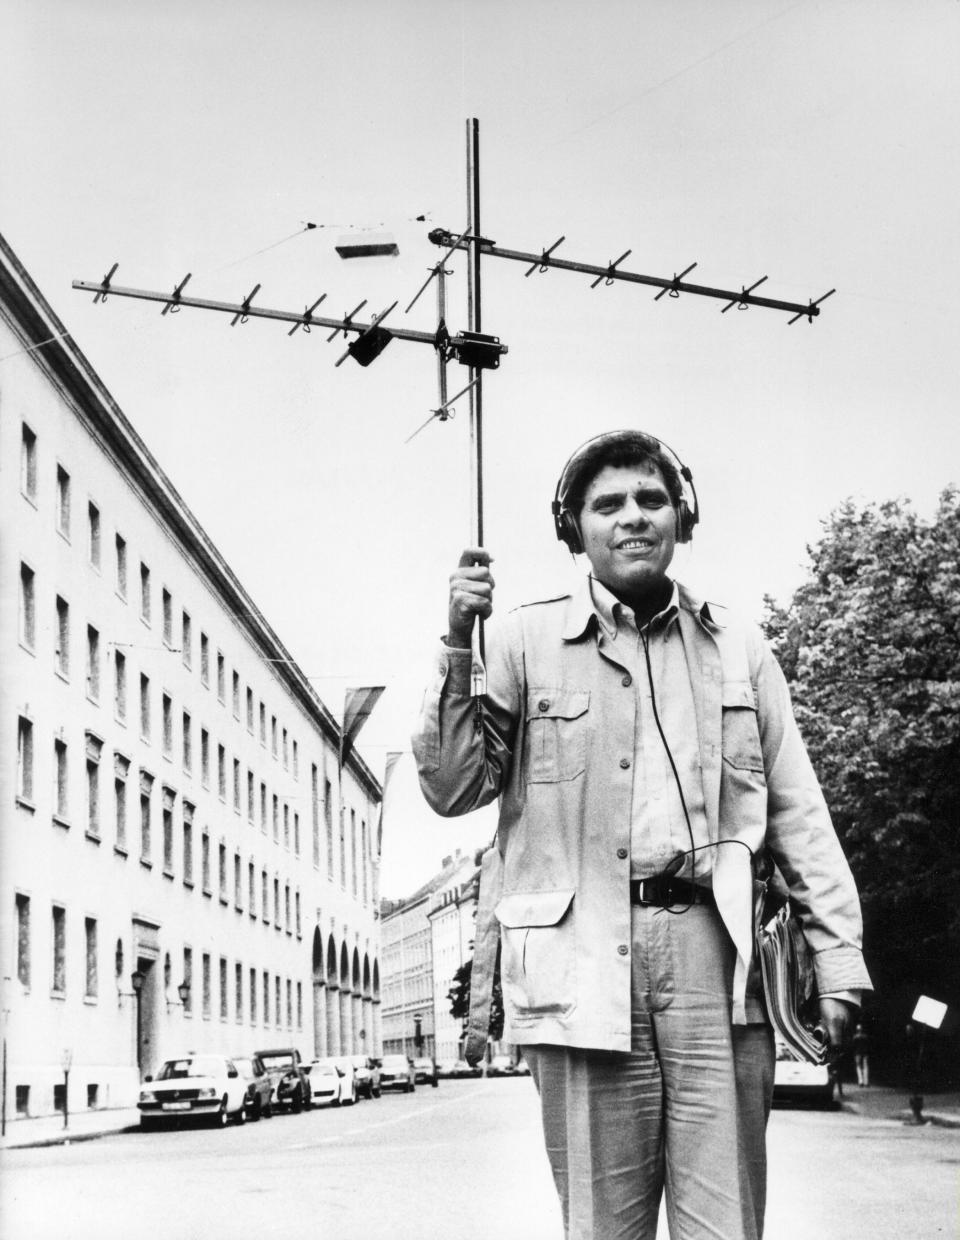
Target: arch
366 977
317 956
355 973
344 968
376 980
332 978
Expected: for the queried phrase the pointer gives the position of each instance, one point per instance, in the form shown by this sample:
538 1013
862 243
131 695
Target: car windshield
322 1069
277 1061
395 1063
201 1065
244 1067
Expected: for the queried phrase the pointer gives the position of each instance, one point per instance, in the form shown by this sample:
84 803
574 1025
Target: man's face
629 529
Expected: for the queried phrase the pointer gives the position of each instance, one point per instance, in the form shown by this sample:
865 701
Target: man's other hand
471 595
837 1018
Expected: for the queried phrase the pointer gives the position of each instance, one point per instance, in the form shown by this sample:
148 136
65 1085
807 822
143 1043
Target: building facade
426 938
183 865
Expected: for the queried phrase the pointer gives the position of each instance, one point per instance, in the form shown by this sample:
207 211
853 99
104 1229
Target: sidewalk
892 1103
84 1126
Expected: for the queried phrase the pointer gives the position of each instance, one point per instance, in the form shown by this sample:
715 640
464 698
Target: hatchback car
259 1085
367 1072
194 1086
425 1072
343 1066
797 1079
396 1072
325 1081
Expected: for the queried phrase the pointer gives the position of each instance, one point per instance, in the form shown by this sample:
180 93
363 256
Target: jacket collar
581 613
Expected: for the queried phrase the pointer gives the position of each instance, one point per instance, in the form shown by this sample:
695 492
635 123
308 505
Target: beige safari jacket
557 748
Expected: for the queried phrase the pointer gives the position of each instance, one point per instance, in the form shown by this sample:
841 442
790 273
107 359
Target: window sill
26 804
188 882
93 699
90 1000
94 837
168 874
146 863
224 901
208 893
59 821
120 850
62 675
60 995
27 648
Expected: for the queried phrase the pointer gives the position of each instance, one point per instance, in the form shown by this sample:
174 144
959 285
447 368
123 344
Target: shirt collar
593 603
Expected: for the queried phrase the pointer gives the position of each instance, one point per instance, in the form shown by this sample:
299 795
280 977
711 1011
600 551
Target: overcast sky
813 142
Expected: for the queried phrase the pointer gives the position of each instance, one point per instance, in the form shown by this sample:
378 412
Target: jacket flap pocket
738 693
557 703
533 908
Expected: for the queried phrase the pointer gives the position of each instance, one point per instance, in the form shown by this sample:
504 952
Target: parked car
325 1081
259 1085
343 1066
291 1086
461 1069
795 1078
194 1086
425 1072
501 1065
397 1072
522 1068
447 1069
367 1071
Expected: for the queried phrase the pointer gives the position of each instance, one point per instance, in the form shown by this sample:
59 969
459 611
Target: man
650 774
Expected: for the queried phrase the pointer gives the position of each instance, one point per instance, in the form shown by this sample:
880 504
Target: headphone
565 522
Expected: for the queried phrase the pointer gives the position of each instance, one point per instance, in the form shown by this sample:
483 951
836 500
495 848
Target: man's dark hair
619 449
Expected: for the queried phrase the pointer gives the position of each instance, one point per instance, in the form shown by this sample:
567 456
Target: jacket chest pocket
538 960
741 733
556 734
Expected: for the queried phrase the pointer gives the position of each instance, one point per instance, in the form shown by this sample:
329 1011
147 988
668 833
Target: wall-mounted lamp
183 990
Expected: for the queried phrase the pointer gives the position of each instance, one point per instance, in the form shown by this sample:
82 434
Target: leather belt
666 892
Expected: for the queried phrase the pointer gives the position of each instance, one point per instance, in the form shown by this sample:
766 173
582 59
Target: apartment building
182 862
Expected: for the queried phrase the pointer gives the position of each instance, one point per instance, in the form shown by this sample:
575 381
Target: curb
69 1138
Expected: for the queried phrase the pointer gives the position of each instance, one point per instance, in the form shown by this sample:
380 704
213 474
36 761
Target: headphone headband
565 521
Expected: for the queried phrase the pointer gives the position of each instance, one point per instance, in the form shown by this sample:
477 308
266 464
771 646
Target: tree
870 645
459 996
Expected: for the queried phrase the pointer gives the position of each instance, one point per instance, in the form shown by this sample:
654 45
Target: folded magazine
789 985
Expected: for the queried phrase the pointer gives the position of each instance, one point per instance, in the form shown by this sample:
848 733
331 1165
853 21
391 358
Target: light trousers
683 1113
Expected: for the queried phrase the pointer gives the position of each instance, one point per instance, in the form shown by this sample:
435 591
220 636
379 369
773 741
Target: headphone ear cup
571 532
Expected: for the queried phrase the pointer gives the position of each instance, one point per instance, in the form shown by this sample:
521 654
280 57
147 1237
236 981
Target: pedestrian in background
860 1043
649 771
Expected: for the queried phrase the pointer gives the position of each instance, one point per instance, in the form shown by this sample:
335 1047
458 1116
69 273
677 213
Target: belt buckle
651 891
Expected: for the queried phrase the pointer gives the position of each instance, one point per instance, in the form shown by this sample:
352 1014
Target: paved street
462 1162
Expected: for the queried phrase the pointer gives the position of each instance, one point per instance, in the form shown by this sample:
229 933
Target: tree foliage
459 996
870 644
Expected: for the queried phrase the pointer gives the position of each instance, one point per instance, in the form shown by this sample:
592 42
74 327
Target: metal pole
441 319
474 320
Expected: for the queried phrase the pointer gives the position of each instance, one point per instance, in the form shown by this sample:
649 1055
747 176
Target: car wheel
434 1082
375 1093
222 1117
147 1125
241 1115
296 1102
257 1110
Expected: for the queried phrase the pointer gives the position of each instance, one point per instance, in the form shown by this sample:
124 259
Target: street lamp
66 1059
136 981
183 990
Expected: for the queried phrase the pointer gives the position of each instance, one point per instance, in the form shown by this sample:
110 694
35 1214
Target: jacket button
625 763
627 680
543 705
622 854
623 949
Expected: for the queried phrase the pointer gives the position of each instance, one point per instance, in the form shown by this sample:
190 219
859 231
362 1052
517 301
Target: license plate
176 1106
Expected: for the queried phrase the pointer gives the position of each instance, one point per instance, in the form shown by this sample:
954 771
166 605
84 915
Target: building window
187 742
59 949
93 664
276 819
167 605
253 996
299 1005
92 979
236 695
252 888
28 614
296 760
121 768
263 808
121 549
266 997
273 735
363 857
169 799
146 810
265 896
263 724
221 677
222 772
277 1003
144 593
297 908
315 812
62 648
120 685
205 757
186 639
289 1003
286 825
63 502
205 966
286 750
237 882
188 979
249 710
251 797
94 745
276 902
328 823
187 847
286 908
23 938
296 833
236 785
25 759
238 989
144 706
222 851
223 988
167 720
353 851
93 534
343 850
61 804
28 463
205 660
205 862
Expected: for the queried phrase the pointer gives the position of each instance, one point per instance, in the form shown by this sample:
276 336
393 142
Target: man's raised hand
471 595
